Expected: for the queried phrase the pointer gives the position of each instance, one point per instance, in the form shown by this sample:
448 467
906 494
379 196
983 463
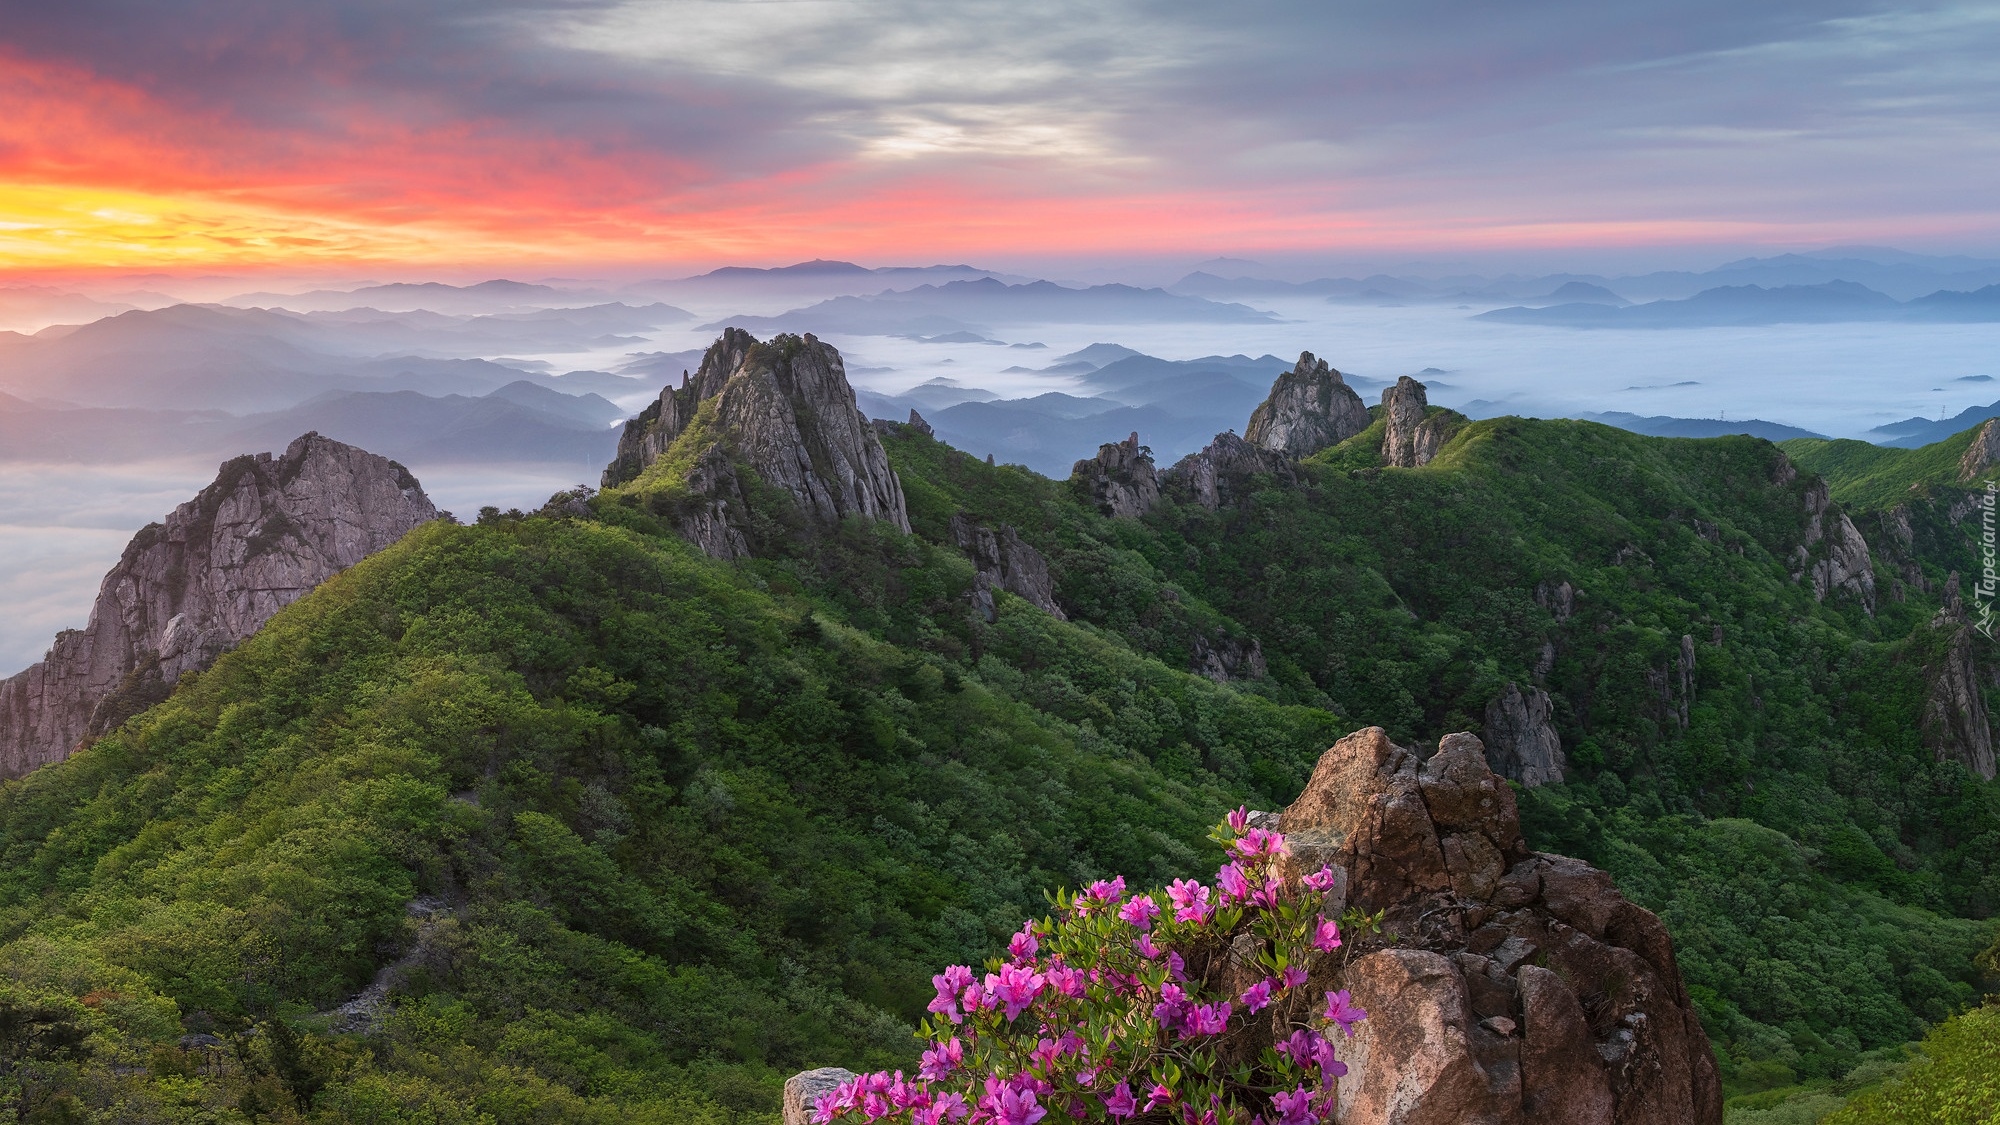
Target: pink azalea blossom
1266 896
1258 842
1340 1009
1208 1019
1321 880
1233 882
1146 947
1107 892
1326 937
1292 977
1159 1096
945 1109
1239 819
1014 987
1295 1108
1023 945
1177 966
975 998
1190 901
1302 1048
1173 1009
1120 1102
1066 980
1017 1107
1258 996
949 985
941 1060
1140 912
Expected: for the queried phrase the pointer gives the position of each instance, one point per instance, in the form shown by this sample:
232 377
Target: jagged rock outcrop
1120 480
785 411
1410 437
1521 741
1224 658
1003 561
1216 476
1309 408
1955 724
1559 598
1841 563
1982 453
1522 987
261 536
918 424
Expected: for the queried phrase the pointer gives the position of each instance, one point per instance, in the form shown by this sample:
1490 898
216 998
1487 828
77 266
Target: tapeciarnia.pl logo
1989 577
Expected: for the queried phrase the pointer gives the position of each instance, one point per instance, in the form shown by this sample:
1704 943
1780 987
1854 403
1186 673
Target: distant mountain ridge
961 306
1744 305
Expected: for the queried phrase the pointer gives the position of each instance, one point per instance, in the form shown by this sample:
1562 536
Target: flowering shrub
1187 1005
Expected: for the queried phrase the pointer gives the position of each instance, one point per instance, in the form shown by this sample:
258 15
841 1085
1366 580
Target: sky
600 135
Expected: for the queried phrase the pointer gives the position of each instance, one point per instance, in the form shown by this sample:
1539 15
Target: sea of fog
62 527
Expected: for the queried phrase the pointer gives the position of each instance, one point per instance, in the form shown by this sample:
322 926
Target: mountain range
1738 305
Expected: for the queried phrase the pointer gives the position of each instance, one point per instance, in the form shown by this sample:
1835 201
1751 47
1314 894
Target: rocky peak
1982 453
782 409
1310 408
1522 987
1002 560
1955 723
1120 480
1411 435
1833 555
266 532
1213 476
1521 741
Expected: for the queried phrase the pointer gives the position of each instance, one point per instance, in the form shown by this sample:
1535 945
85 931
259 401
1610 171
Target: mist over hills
961 306
1738 305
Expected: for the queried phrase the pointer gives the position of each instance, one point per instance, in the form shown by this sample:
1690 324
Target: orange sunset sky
341 136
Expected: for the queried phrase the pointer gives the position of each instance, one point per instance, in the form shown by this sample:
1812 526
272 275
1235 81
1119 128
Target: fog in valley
117 403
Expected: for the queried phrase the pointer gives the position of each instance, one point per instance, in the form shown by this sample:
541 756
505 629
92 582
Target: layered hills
628 808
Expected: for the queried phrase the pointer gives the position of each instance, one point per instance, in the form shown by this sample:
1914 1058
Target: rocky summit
782 410
1120 480
1521 987
1310 408
266 532
1413 433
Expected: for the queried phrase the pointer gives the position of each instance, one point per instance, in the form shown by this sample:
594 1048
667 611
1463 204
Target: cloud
581 129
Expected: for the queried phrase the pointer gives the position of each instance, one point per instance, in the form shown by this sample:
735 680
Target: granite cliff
266 532
1120 480
1310 408
782 410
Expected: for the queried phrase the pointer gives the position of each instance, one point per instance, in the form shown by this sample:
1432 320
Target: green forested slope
688 826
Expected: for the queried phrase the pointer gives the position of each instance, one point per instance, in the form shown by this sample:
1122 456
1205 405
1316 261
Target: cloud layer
595 131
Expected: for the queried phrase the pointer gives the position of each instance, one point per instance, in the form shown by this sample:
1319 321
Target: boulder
1120 480
802 1091
1001 560
1521 986
783 410
264 534
1309 408
1521 741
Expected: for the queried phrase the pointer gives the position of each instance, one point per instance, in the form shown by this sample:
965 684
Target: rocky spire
1214 476
1522 986
1310 408
785 411
1120 479
1521 742
1955 724
188 588
1833 555
1982 453
1411 438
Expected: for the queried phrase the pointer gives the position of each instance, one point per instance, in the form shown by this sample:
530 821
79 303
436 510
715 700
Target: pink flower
975 998
1177 967
946 1108
1159 1096
1023 946
1292 977
942 1060
1257 997
1258 842
1173 1009
1208 1019
827 1106
1302 1048
1140 912
1327 937
1239 819
1234 882
1017 1107
1070 982
1321 880
1120 1102
1014 987
1146 947
1107 892
1190 901
1295 1108
1340 1009
949 985
1266 896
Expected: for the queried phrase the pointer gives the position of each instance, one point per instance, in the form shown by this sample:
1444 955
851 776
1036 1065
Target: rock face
1521 741
1834 555
785 411
1411 439
1982 453
1310 408
1224 658
259 538
1955 723
1218 475
1120 479
1002 561
1522 987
